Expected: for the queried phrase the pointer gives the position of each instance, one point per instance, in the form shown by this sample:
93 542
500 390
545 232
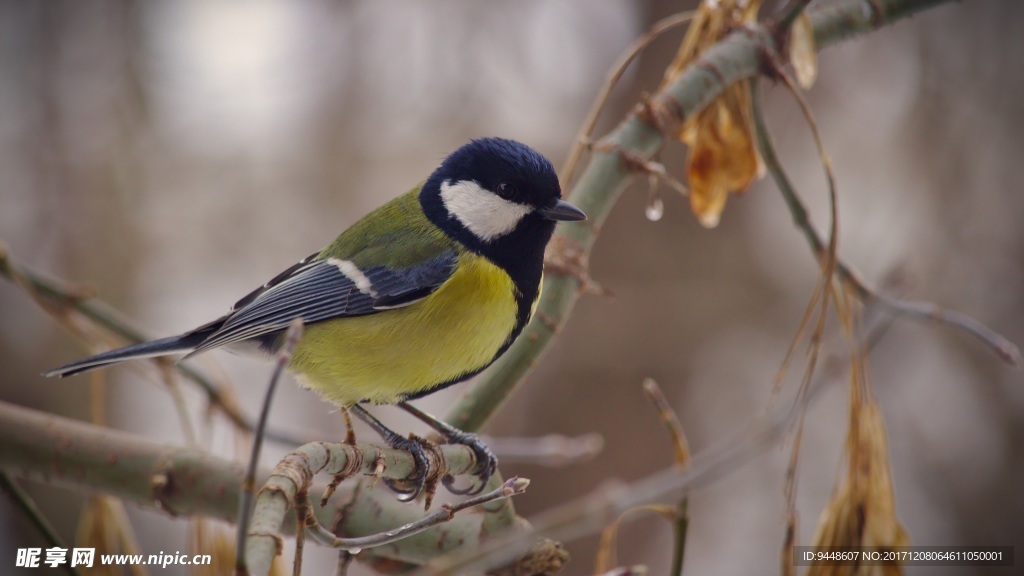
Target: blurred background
176 155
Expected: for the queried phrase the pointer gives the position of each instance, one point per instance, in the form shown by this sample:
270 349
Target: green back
397 235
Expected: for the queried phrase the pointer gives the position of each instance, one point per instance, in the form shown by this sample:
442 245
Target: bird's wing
318 289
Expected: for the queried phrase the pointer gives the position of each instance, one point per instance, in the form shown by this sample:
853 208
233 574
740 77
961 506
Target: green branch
54 450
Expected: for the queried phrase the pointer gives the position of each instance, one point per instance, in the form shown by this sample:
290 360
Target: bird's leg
413 445
350 432
350 439
486 462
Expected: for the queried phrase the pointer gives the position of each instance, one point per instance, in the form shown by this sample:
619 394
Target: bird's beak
563 211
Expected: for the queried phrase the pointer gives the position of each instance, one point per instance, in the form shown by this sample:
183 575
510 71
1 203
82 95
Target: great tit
424 292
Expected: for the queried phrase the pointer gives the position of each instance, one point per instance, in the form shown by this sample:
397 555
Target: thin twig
930 312
446 512
828 263
789 491
670 420
682 459
680 530
916 310
284 357
611 79
23 502
794 343
552 450
607 558
640 165
498 516
827 258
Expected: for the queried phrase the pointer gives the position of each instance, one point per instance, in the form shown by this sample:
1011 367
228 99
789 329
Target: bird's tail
164 346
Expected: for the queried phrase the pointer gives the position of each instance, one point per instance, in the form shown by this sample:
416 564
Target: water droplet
354 551
655 209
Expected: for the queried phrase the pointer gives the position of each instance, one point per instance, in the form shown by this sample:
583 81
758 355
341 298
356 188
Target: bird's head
497 196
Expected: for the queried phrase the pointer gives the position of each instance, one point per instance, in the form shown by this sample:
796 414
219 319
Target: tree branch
739 56
54 450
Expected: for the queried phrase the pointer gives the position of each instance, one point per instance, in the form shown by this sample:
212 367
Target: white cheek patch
486 215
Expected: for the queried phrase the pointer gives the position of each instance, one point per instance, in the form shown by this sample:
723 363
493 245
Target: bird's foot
410 487
486 462
420 481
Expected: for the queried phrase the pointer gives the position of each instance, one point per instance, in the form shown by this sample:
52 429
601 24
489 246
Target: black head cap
500 198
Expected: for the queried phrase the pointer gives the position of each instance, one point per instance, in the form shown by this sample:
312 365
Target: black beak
563 211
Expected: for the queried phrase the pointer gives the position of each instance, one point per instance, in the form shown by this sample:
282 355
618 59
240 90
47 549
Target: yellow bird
422 293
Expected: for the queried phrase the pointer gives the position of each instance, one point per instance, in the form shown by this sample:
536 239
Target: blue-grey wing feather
320 290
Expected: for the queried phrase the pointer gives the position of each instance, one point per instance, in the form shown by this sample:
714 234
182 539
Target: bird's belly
387 356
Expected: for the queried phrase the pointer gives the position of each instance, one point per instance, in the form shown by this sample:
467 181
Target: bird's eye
506 190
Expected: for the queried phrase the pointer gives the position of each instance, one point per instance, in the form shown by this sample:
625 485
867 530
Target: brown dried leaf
710 22
723 155
802 52
863 512
706 25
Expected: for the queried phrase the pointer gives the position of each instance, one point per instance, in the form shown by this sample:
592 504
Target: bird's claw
412 486
486 464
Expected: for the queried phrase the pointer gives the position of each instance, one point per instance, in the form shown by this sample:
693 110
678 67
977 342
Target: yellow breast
386 356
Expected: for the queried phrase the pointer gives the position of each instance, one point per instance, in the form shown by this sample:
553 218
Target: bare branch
511 487
670 420
552 450
917 310
284 357
186 482
612 78
294 474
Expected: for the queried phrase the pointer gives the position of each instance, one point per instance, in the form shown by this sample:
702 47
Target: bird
424 292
